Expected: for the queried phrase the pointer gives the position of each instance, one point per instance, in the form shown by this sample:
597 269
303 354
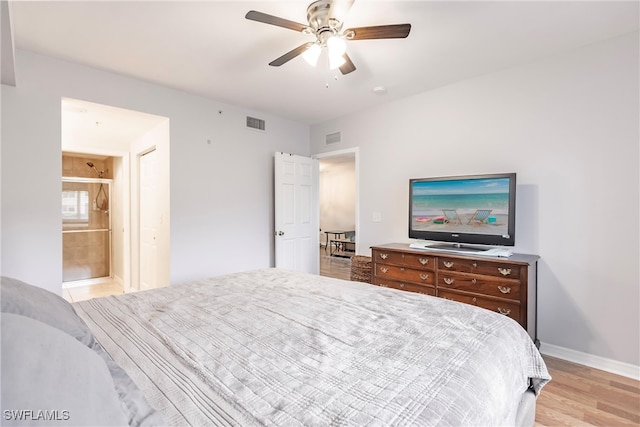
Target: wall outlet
377 217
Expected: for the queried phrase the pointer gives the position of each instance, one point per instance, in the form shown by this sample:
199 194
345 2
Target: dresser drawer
488 268
405 259
404 286
511 309
387 271
487 285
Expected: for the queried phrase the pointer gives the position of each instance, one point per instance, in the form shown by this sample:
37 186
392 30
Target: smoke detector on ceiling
380 90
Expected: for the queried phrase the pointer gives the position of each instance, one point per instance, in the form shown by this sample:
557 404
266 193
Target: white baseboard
118 280
602 363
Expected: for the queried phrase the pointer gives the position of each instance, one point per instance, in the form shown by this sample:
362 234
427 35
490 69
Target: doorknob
279 233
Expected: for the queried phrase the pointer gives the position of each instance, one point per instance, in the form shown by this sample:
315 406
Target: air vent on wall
254 123
332 138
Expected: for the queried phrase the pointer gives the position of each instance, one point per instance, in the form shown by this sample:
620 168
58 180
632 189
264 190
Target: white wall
221 193
568 126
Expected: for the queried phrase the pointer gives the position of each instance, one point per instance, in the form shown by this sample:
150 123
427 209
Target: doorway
338 202
95 132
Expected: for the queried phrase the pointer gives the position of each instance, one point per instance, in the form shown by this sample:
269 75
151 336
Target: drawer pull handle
382 285
450 299
402 285
401 268
424 276
448 264
474 280
475 299
504 271
424 261
475 264
504 311
384 256
448 280
504 289
384 269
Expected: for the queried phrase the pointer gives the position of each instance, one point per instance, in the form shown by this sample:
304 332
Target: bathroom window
75 206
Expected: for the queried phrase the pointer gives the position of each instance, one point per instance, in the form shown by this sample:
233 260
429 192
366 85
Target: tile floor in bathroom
100 289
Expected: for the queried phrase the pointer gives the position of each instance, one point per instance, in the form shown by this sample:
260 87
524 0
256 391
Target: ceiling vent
254 123
332 138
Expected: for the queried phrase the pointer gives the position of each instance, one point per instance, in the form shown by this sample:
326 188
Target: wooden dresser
504 285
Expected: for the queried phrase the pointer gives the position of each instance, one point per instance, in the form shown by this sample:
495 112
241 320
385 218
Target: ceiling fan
325 19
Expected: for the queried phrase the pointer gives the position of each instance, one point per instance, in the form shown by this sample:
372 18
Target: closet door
150 220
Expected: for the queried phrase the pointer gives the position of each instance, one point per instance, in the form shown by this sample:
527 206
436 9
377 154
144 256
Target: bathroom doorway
111 139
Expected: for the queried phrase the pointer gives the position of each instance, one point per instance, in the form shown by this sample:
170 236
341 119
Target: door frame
356 154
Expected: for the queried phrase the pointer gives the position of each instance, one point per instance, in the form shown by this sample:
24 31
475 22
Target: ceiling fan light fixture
336 48
336 45
325 20
336 61
312 54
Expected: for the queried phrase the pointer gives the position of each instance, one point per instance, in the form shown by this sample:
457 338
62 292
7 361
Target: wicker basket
361 268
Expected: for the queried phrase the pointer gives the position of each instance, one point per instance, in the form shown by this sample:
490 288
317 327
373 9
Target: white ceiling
209 48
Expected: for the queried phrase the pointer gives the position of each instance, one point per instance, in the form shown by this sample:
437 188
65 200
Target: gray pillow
49 378
21 298
39 304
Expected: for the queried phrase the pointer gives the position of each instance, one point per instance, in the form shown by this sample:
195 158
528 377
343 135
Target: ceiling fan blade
340 8
274 20
398 31
290 55
348 66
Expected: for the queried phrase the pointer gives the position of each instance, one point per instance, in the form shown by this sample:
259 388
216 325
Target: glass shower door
86 229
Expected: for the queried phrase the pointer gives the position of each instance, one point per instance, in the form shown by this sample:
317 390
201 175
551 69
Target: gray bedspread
274 347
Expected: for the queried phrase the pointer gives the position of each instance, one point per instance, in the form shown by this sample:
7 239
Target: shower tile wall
86 254
73 166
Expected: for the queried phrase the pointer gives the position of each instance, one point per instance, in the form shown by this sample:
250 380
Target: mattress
277 347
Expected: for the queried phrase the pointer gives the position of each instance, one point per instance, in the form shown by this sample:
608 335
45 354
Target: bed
283 348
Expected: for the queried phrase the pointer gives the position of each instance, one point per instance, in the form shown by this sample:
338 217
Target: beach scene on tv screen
466 206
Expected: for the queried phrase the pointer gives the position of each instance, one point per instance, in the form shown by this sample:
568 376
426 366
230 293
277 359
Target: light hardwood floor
576 396
582 396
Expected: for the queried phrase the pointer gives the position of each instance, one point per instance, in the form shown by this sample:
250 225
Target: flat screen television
474 209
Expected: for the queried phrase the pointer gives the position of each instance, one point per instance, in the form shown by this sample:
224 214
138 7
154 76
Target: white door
296 213
149 220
